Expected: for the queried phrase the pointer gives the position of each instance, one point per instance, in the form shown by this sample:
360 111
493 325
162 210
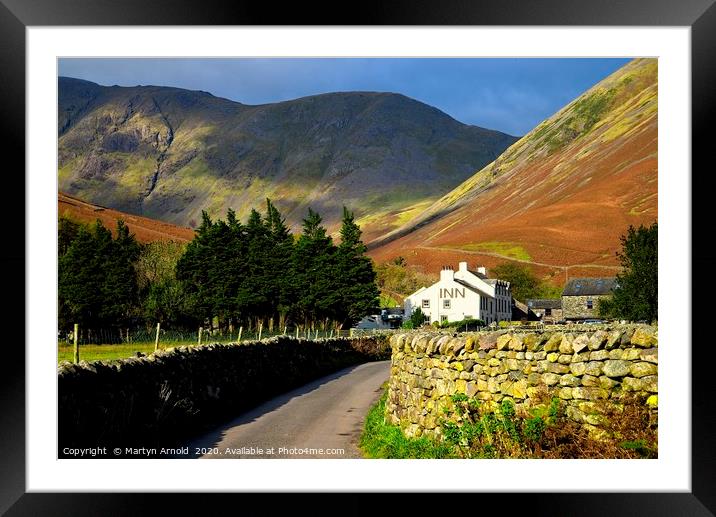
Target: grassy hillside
168 153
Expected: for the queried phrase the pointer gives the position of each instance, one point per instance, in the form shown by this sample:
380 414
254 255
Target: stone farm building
581 295
463 294
547 310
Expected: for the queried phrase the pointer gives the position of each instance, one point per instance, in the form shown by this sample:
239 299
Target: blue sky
511 95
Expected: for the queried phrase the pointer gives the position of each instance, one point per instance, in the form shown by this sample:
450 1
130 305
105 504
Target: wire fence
110 344
203 336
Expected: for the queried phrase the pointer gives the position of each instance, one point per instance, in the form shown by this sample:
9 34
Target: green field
106 352
91 353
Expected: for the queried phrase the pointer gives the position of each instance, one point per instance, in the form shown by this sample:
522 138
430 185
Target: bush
417 318
467 323
482 431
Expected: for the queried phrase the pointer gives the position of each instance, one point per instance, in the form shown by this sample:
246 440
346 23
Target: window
443 318
590 304
426 304
446 304
548 312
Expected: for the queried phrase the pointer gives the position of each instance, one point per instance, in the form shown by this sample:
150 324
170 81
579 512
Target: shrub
466 323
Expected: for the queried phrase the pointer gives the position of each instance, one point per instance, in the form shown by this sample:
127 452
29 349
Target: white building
463 294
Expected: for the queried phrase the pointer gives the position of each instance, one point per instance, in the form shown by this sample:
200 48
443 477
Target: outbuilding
581 296
546 310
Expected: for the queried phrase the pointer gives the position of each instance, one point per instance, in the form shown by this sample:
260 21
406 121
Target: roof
519 305
472 288
491 281
589 286
544 303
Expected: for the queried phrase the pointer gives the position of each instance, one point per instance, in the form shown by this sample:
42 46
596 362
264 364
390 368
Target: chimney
462 267
447 273
482 270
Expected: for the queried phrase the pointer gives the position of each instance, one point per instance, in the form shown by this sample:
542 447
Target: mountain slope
560 197
168 153
145 230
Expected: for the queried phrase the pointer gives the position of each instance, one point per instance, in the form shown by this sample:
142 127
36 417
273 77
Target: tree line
231 274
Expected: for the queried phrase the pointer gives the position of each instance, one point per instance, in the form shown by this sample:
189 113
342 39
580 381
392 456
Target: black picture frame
700 15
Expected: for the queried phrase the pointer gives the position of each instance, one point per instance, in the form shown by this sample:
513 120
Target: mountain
559 198
145 229
168 153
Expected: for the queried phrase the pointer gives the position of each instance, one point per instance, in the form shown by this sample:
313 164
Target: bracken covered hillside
145 229
560 197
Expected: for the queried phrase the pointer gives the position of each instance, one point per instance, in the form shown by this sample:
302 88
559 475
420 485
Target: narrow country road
318 420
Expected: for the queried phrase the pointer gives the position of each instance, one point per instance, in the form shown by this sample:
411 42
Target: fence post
316 334
285 329
199 340
156 339
261 328
77 344
241 329
296 331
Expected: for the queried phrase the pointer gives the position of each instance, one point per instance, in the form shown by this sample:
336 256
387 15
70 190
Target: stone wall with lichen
156 401
580 366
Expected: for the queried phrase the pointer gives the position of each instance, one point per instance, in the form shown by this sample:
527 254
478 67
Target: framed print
39 38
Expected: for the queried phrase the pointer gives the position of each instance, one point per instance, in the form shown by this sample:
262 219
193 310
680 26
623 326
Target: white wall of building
500 307
461 294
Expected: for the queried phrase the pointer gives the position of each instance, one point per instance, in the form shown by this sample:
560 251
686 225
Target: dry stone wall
156 400
581 367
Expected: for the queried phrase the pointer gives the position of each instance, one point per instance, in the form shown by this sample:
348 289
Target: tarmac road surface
323 419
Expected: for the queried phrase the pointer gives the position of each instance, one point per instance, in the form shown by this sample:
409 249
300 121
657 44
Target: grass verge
381 440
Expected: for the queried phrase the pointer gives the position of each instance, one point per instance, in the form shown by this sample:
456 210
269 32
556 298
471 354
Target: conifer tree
313 275
79 281
252 295
355 276
193 268
67 230
97 284
278 263
119 288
